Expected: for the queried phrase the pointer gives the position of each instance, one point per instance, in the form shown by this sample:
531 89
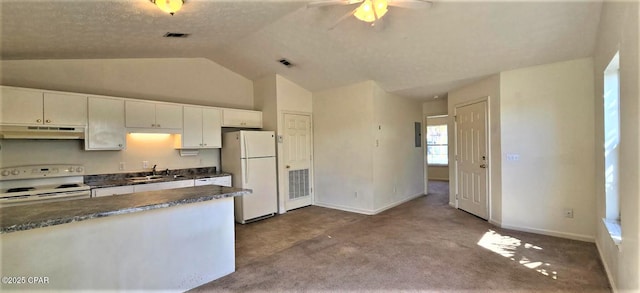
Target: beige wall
156 149
490 88
274 96
618 30
546 115
184 80
343 147
435 107
397 164
365 158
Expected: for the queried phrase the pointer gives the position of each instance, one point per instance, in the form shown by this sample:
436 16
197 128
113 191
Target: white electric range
31 184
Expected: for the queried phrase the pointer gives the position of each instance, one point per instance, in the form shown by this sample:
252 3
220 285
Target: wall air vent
285 62
175 35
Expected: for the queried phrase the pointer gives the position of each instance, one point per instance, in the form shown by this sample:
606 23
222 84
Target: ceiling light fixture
168 6
371 10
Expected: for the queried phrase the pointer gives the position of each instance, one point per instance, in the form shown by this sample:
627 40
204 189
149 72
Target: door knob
483 166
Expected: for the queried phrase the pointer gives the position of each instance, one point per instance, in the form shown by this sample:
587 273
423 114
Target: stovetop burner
20 189
68 185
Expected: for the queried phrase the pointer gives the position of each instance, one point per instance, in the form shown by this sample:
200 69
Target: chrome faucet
154 170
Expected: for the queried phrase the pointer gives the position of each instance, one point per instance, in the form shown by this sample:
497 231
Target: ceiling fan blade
411 4
332 3
342 18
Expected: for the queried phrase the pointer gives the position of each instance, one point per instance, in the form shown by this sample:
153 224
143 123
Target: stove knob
5 172
15 172
79 169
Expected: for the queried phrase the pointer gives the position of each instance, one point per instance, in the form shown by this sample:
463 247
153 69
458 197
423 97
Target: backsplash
156 151
188 172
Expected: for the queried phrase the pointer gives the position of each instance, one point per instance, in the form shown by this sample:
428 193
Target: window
437 141
612 146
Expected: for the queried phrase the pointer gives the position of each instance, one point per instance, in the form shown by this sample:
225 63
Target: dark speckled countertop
123 179
20 218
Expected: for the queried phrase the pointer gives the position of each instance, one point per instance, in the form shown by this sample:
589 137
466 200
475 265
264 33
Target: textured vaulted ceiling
415 53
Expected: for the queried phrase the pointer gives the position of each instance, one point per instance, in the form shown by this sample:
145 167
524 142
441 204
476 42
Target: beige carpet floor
423 245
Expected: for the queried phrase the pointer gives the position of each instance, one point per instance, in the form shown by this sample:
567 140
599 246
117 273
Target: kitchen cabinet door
108 191
152 115
106 129
65 109
211 128
202 128
168 116
19 106
192 132
140 114
241 118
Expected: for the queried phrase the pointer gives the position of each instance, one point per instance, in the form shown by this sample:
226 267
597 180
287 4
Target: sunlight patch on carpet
512 248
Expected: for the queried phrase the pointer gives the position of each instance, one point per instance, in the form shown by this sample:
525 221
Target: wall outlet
568 213
513 157
122 166
145 164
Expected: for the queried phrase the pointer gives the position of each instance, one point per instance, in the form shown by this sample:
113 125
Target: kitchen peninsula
171 240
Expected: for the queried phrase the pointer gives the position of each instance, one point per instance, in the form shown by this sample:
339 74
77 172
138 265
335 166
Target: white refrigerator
250 157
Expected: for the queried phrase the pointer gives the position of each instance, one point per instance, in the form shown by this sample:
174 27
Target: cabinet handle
157 125
48 121
153 125
205 144
120 145
39 120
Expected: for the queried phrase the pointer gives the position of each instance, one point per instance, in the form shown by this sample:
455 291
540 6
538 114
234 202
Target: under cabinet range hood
41 132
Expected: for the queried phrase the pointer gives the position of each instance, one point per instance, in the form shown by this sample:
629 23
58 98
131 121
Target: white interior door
471 158
297 160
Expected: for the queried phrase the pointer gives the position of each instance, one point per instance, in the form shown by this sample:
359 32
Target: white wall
547 118
343 147
185 80
157 149
618 30
489 87
397 163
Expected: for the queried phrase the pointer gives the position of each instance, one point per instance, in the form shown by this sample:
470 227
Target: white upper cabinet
34 107
153 115
202 128
241 118
21 106
106 130
65 109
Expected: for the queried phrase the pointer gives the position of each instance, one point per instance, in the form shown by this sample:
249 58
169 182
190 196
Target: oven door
41 198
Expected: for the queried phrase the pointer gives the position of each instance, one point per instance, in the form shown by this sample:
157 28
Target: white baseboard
573 236
343 208
365 211
496 223
612 282
452 204
397 203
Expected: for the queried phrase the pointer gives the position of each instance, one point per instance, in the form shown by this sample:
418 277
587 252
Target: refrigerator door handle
246 159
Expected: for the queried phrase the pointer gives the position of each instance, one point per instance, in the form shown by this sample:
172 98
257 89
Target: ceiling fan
371 11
